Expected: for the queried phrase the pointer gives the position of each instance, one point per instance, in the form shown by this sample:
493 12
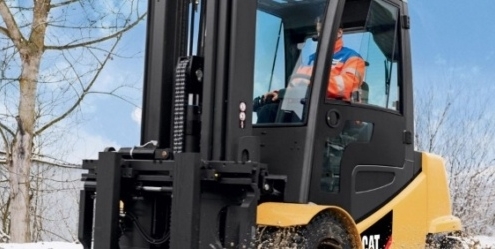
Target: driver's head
319 20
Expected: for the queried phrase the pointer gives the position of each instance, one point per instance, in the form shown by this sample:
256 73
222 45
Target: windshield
364 67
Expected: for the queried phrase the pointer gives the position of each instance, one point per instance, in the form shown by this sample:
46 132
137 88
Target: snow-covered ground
42 245
480 242
477 242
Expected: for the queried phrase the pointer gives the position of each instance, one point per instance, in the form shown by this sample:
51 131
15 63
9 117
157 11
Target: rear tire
444 241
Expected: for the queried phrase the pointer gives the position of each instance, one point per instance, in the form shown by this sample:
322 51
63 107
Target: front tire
326 231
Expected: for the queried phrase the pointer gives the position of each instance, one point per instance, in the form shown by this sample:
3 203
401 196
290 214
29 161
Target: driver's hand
273 95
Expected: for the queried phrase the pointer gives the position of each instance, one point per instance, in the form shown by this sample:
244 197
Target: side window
286 42
378 46
269 73
269 65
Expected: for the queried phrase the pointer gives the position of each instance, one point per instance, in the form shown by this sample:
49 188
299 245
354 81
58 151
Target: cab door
362 151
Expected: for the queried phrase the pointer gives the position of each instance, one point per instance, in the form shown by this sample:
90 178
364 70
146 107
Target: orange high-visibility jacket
346 74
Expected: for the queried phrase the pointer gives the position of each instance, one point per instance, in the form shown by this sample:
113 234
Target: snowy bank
42 245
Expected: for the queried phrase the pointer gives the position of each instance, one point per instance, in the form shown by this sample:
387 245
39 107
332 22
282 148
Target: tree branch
55 5
57 164
53 161
116 96
12 28
7 129
87 43
84 93
4 31
6 142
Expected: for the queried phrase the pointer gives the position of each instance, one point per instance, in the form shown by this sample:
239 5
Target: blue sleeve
312 58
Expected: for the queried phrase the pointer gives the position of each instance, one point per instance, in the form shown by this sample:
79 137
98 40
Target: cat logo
371 241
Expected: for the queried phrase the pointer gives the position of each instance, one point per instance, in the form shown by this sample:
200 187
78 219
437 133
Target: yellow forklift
213 172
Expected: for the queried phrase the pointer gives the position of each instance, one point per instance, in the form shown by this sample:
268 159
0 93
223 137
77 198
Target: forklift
322 173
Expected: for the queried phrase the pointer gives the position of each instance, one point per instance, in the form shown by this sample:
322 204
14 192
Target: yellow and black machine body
222 166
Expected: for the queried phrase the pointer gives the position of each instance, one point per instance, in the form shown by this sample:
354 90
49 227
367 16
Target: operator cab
353 153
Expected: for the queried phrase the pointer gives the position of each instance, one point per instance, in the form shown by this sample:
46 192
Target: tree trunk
20 166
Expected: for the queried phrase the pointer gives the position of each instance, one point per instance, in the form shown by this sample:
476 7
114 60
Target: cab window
377 43
285 51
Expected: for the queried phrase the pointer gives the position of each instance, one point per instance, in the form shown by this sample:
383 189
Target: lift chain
180 105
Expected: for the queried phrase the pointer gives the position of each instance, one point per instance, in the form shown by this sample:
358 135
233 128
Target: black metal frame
172 194
228 190
166 43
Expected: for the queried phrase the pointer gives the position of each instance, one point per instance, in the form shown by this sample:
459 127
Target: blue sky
453 35
451 39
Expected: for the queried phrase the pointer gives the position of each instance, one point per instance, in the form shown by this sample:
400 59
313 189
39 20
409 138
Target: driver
346 77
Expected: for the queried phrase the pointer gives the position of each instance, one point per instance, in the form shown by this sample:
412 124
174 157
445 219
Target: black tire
278 238
326 231
444 241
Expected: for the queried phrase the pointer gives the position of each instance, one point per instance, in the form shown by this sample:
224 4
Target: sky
109 121
453 37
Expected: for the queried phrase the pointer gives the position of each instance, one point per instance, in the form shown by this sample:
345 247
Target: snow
476 242
480 242
42 245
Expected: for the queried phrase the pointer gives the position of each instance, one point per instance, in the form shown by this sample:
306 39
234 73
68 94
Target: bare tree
54 52
458 125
